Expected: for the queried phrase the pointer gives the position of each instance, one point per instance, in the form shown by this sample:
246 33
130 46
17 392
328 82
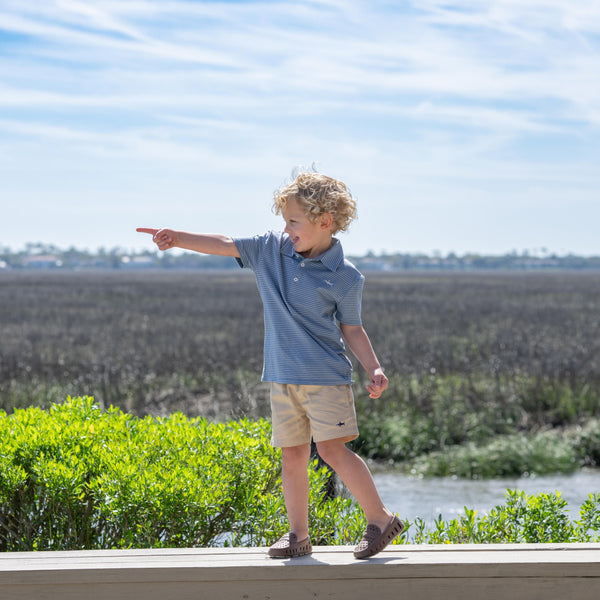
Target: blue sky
466 127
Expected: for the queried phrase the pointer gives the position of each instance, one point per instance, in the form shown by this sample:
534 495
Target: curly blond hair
318 194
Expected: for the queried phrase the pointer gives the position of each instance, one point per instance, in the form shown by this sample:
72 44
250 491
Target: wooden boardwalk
478 572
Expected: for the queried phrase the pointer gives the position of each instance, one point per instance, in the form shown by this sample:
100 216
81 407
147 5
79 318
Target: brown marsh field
470 356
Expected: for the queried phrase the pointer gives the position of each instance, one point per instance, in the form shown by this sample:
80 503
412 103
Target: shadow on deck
465 572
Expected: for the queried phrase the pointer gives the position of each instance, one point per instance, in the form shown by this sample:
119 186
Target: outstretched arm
206 243
357 339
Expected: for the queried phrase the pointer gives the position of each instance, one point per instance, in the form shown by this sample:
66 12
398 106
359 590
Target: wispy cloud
465 91
318 46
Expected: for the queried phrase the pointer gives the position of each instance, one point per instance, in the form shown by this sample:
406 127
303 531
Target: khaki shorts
323 412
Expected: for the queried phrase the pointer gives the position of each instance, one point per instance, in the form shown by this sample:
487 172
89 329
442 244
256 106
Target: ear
326 221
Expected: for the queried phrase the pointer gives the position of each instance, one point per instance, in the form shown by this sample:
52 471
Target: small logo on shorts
341 423
328 282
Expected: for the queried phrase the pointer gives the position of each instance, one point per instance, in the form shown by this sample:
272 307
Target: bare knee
295 457
332 451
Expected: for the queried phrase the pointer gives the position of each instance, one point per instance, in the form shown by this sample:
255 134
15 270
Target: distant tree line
49 256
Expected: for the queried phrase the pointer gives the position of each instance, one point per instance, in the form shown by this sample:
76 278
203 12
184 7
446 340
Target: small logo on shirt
341 423
328 282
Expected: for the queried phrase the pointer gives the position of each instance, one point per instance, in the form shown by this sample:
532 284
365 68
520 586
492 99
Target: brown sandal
288 546
374 540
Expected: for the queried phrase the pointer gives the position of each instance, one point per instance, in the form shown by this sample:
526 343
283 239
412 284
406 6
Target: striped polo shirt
303 301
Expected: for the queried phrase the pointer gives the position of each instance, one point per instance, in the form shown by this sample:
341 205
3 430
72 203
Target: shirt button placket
297 278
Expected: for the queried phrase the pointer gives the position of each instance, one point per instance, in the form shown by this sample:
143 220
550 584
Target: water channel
428 498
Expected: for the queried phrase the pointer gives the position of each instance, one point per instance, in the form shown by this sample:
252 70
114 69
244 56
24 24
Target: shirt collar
331 258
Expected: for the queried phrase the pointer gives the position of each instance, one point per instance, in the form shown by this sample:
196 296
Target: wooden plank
444 572
415 589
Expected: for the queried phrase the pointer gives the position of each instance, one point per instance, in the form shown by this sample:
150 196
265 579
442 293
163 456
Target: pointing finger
146 230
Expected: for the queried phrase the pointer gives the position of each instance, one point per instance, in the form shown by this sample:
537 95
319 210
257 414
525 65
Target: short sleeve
250 250
349 308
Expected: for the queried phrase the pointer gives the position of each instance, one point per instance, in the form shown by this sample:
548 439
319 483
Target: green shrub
552 451
523 518
505 456
419 415
586 442
77 477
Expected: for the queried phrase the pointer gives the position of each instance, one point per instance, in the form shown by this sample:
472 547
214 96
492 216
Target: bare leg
358 479
294 477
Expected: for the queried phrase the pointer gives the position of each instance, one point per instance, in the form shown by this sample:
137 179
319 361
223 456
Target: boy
312 299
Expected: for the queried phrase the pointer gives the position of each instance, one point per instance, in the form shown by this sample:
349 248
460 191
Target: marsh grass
468 429
471 357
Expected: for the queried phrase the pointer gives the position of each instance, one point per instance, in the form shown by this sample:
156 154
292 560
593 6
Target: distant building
138 262
42 261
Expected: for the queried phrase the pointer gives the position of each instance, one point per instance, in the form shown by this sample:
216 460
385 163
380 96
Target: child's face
309 239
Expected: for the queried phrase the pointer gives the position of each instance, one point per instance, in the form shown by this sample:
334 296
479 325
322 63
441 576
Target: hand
163 238
379 383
